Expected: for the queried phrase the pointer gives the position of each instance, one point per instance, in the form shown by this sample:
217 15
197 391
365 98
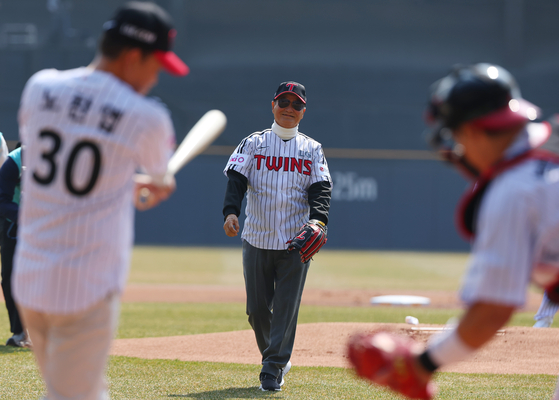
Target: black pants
274 282
8 243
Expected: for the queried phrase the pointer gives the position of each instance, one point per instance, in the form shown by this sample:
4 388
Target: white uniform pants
72 350
556 394
547 309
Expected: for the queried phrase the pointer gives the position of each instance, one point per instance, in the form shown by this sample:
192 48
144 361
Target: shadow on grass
230 393
12 349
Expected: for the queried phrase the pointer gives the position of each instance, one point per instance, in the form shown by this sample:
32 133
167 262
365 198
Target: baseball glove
310 238
388 360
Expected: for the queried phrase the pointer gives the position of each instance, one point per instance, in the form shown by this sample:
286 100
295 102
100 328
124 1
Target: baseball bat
202 134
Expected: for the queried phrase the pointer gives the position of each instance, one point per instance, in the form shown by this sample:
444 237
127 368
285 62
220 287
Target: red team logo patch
290 86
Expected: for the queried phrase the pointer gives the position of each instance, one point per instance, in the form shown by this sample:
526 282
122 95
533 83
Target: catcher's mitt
388 360
309 239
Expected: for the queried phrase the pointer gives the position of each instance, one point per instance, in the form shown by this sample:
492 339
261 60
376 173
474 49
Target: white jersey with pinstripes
85 134
279 174
517 229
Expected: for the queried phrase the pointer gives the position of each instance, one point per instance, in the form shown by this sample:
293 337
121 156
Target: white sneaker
544 322
20 340
284 372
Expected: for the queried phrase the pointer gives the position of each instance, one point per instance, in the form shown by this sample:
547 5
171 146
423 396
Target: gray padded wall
367 65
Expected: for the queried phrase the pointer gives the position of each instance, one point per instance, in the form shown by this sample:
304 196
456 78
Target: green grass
329 269
386 269
140 320
186 266
134 378
177 379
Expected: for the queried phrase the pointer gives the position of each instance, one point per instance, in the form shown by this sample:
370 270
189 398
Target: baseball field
183 331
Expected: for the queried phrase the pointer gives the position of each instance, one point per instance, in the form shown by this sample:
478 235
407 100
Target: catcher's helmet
484 94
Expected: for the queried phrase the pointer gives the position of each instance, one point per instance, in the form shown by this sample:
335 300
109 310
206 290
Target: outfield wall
377 204
367 66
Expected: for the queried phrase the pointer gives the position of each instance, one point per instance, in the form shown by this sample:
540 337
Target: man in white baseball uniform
285 176
85 132
547 129
511 216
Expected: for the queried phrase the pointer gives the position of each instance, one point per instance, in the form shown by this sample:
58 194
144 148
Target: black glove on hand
309 239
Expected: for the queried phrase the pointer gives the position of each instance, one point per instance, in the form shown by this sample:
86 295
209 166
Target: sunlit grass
339 269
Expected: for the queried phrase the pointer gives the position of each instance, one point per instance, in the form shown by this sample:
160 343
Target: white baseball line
427 329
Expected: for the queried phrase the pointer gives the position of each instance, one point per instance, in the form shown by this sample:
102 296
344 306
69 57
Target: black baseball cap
292 87
148 26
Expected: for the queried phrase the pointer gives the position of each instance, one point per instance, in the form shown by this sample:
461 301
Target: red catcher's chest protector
543 275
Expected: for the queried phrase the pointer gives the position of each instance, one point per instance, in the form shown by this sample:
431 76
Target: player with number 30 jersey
85 133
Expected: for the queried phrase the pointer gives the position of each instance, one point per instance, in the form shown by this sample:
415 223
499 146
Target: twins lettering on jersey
273 163
289 164
279 174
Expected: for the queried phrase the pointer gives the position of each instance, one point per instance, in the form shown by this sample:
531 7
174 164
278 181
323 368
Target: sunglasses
297 105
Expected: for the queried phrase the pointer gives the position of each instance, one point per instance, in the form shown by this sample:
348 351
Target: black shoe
269 382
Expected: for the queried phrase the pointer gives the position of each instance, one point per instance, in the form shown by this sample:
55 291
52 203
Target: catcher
511 216
286 179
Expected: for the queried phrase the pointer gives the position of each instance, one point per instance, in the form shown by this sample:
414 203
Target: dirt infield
319 297
323 344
